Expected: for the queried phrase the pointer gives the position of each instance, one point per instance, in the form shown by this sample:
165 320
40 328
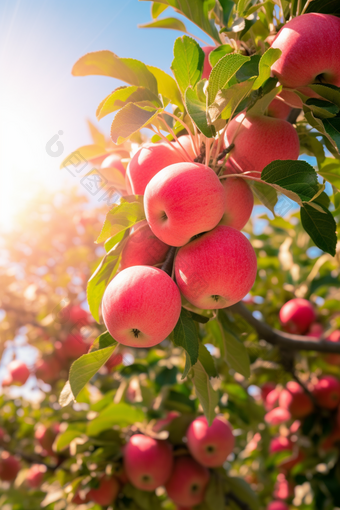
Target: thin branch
230 496
284 340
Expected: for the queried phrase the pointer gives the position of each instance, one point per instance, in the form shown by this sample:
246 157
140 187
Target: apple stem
177 140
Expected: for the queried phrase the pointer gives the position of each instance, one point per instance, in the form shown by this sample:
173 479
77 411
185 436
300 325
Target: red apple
188 482
278 109
9 467
296 400
277 416
327 392
239 201
217 269
277 505
46 436
280 444
184 142
316 330
113 161
141 306
333 359
147 162
266 388
148 462
310 46
183 200
114 361
207 66
258 141
143 248
106 492
272 399
18 372
297 315
35 475
210 446
75 346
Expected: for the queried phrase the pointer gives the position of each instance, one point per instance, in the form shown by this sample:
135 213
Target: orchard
187 336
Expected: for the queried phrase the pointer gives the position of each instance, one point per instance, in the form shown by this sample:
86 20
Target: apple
296 400
239 201
277 416
48 370
75 346
277 505
278 109
18 372
182 201
186 144
143 248
327 392
333 359
316 330
217 269
188 482
114 361
106 492
259 140
266 388
9 467
141 306
310 46
210 446
46 436
35 475
297 315
2 434
148 462
113 161
283 489
76 315
272 399
207 66
147 162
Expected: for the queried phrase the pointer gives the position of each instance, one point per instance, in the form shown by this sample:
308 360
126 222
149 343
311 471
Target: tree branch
230 496
281 339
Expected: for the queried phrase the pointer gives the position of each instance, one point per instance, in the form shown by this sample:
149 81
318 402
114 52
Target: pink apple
113 161
106 492
259 140
297 315
277 416
278 109
296 400
141 306
210 446
310 46
143 248
114 361
9 467
185 142
18 372
207 66
183 200
333 359
280 444
76 315
217 269
148 462
147 162
272 399
75 346
239 201
46 436
188 481
35 475
283 489
277 505
327 392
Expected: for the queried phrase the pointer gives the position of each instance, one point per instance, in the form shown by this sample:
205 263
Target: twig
230 496
169 260
284 340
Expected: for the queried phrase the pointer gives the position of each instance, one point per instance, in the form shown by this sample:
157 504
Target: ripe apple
147 162
18 372
316 330
277 505
327 392
143 248
333 359
186 144
141 306
278 109
296 400
148 462
210 446
35 475
106 492
297 315
259 140
114 361
75 346
48 370
187 483
217 269
183 200
266 388
239 201
277 416
310 46
76 315
46 436
272 399
9 467
207 66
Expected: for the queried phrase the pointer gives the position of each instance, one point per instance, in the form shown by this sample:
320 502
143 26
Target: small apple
207 66
185 142
143 248
278 109
272 399
188 482
266 388
106 492
75 346
9 467
283 489
35 475
210 446
217 269
277 416
182 201
46 436
18 372
297 315
296 400
148 462
141 306
327 392
239 201
277 505
114 361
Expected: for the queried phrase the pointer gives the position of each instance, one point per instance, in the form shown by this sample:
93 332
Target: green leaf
321 227
219 52
214 496
249 69
106 63
130 119
266 61
198 318
332 128
330 170
115 414
207 361
63 440
102 341
243 491
120 218
233 351
223 71
324 108
185 335
171 23
265 193
227 100
188 62
296 176
167 86
329 92
97 137
123 95
66 395
86 152
157 9
197 112
101 277
326 7
205 393
320 126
